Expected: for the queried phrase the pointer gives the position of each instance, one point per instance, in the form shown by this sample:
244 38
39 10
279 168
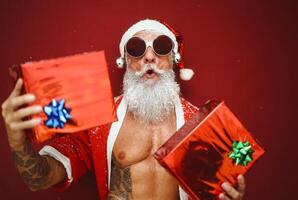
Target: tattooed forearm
33 168
121 185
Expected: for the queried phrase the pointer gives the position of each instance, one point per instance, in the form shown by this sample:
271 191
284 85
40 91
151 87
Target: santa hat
163 28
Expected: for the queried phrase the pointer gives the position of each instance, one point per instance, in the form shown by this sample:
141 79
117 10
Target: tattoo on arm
33 168
121 185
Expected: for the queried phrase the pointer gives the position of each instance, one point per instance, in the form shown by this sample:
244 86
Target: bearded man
121 154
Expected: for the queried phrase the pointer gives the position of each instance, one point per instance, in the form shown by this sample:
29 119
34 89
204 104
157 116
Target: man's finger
17 126
17 89
25 112
241 184
231 191
18 101
222 196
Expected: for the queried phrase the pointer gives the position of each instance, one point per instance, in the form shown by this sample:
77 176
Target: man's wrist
18 147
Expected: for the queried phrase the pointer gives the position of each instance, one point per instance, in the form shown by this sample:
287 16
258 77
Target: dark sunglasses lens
135 47
162 45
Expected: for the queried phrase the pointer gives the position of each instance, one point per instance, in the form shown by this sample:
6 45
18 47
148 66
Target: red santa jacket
91 150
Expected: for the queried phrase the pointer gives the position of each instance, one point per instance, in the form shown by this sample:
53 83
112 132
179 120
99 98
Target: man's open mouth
150 73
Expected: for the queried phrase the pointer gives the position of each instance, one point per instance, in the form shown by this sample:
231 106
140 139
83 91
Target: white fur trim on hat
147 24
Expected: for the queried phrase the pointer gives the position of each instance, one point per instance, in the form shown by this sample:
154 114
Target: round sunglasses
162 46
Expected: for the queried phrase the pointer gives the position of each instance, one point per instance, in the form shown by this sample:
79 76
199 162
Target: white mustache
147 67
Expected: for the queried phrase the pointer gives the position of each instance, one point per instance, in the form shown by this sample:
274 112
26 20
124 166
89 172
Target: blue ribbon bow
57 114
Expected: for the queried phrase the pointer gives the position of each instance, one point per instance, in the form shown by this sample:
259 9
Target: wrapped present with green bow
211 148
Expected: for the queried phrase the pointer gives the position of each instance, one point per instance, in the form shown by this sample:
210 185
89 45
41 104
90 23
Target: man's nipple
121 155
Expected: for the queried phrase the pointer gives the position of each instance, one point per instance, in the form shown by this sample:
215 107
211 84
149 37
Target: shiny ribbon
57 114
241 153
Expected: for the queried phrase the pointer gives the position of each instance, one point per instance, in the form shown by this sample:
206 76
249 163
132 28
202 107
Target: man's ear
172 57
177 57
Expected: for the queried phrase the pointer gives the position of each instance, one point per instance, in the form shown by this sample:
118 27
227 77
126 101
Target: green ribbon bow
241 153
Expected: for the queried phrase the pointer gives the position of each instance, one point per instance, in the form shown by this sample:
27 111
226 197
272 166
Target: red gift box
82 81
209 149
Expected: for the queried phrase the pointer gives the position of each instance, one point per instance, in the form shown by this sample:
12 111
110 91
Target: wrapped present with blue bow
211 148
75 93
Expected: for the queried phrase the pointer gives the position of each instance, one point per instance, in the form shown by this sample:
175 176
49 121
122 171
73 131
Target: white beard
151 103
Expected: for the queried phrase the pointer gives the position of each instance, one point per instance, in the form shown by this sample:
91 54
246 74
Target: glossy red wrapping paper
81 80
198 153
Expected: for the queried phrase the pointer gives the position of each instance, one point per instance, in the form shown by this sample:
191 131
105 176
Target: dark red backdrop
243 51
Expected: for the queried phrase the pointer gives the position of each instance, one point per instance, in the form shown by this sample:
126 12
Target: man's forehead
148 34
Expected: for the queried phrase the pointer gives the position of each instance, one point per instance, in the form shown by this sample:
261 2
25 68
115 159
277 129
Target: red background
243 51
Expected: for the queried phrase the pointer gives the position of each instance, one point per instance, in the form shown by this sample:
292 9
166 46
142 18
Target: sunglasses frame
149 44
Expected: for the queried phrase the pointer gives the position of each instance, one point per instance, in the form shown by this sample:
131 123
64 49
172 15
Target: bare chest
136 142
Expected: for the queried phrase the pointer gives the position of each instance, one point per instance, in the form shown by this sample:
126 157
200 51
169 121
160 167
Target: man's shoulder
188 108
117 100
188 104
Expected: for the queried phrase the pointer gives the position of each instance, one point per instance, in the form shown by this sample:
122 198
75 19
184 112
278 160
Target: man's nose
149 56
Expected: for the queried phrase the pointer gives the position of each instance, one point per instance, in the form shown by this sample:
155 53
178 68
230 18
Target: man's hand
231 192
13 112
38 172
